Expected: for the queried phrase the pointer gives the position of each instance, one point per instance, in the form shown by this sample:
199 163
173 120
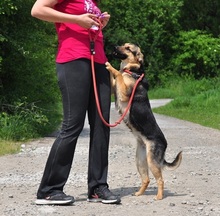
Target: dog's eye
128 48
133 52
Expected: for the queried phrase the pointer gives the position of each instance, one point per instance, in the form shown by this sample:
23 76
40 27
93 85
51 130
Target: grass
9 147
196 101
25 125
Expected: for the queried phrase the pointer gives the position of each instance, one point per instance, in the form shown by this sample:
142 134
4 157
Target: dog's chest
121 107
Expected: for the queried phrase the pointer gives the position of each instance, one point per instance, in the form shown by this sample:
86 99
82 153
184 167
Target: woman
72 20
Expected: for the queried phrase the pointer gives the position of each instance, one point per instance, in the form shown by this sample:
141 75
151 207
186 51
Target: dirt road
192 189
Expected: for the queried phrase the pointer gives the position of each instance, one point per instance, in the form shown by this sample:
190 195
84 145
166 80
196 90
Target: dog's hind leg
157 173
142 166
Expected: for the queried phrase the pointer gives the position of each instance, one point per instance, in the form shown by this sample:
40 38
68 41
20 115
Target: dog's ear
140 57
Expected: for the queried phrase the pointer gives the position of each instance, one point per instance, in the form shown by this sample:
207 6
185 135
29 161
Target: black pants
75 82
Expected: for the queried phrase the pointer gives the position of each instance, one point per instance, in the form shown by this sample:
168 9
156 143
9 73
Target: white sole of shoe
52 202
95 200
110 201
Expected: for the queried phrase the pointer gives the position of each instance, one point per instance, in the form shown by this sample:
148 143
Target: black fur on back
142 119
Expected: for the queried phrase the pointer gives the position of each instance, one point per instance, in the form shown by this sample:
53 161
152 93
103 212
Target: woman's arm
44 10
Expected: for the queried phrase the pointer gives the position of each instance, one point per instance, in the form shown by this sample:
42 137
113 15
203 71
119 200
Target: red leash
92 47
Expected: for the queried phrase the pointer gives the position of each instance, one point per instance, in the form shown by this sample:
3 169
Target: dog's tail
175 164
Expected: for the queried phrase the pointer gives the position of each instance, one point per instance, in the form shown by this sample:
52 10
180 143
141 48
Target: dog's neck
122 65
133 67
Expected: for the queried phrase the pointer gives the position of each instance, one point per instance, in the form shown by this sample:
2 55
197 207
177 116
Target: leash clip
92 47
135 76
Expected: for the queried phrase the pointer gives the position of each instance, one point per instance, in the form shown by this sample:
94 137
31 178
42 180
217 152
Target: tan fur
123 83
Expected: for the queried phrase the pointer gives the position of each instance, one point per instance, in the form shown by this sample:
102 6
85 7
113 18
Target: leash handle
93 36
92 47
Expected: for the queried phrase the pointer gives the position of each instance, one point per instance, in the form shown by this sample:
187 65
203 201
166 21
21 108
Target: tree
27 68
201 15
196 54
163 30
153 25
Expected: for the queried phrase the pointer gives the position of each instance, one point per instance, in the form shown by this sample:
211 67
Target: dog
151 142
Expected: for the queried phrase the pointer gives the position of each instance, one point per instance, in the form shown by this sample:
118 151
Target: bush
194 100
201 14
23 122
197 54
150 24
29 94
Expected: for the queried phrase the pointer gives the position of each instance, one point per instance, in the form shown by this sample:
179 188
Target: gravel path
192 189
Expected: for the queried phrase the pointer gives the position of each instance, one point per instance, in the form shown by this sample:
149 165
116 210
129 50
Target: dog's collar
134 75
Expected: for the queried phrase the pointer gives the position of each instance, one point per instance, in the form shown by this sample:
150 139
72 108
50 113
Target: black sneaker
56 199
104 195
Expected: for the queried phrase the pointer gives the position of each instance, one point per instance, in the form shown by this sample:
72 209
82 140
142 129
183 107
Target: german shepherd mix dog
151 143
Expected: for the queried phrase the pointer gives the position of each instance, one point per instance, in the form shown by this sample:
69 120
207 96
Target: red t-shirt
73 40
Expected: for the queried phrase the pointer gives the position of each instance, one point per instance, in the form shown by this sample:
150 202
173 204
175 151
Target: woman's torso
73 40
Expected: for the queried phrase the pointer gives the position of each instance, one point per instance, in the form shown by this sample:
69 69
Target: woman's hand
104 18
87 20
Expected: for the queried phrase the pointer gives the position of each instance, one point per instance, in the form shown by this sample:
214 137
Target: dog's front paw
108 66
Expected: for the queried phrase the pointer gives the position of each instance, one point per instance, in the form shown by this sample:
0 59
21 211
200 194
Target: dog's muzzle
117 54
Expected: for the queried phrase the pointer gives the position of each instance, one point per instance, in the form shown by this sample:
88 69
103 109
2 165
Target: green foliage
194 100
6 8
161 28
183 86
155 26
197 54
150 24
27 68
201 14
24 121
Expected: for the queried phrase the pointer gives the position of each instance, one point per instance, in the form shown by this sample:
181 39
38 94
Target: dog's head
129 54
